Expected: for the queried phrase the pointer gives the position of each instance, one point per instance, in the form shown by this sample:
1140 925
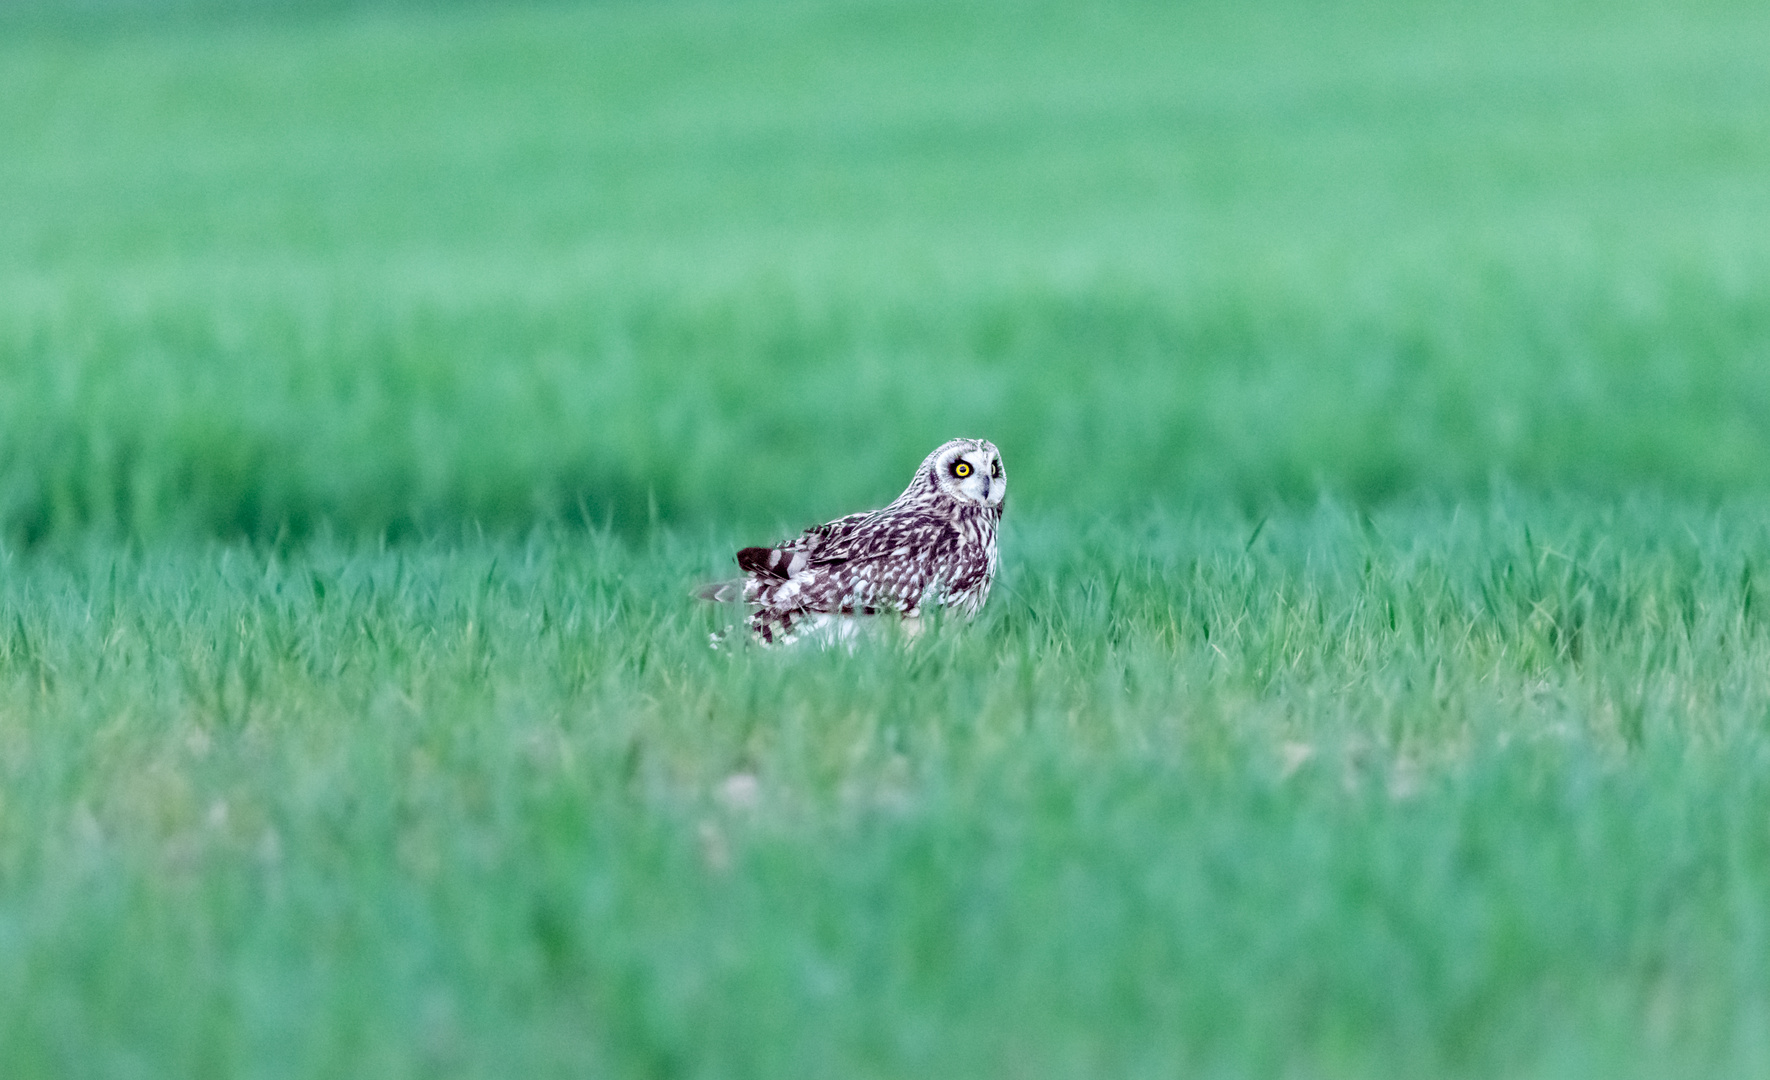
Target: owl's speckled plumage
934 545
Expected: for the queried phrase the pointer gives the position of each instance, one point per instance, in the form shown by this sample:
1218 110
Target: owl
935 544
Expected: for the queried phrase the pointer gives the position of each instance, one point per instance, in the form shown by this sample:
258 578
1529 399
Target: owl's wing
820 545
860 564
831 541
892 566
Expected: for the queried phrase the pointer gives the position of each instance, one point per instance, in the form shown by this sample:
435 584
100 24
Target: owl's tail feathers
722 592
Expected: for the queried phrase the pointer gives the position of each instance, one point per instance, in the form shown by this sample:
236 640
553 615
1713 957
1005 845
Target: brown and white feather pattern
934 545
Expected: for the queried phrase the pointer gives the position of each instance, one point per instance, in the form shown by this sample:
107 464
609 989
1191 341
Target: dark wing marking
768 562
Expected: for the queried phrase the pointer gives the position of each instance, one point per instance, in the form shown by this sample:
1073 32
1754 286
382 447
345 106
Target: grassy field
1379 678
1426 792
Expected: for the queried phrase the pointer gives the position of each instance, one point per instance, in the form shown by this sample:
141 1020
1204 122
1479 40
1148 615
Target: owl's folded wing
881 571
820 545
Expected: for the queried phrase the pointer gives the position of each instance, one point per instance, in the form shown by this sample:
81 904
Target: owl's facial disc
973 474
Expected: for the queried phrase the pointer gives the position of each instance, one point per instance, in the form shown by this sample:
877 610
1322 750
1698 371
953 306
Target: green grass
1379 678
1430 792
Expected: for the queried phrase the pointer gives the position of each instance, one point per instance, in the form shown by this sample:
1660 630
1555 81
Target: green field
1378 683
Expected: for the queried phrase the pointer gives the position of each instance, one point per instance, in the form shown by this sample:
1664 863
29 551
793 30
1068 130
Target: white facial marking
982 483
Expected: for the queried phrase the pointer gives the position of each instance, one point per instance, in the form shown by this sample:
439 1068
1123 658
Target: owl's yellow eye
962 469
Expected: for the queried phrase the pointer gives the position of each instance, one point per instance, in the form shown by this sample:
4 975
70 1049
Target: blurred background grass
398 267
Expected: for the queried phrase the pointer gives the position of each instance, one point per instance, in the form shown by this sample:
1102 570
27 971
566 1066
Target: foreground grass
1442 791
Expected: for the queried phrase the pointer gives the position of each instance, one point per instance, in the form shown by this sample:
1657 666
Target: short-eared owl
935 544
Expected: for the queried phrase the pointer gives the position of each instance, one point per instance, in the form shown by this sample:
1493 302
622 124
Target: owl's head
969 471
